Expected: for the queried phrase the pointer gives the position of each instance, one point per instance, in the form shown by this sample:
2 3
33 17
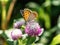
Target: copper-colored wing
25 13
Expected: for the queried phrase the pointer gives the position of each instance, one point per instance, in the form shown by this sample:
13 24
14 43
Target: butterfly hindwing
33 16
22 11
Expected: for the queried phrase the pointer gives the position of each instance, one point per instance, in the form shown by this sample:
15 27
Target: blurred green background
48 17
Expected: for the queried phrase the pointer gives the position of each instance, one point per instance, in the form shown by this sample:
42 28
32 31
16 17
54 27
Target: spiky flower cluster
32 28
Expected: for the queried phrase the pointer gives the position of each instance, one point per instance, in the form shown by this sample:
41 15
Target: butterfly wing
28 15
25 13
22 11
33 16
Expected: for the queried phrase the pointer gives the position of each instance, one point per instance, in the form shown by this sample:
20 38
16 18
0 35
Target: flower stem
15 42
33 43
20 42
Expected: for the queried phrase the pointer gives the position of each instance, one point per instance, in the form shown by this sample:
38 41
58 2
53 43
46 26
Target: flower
16 33
33 29
18 24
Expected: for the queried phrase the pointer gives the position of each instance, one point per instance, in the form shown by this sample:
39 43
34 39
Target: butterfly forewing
26 14
22 11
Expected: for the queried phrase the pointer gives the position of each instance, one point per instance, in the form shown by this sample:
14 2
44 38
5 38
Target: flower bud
15 34
18 24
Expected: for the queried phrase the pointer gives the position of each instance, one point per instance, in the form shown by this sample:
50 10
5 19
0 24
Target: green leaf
30 40
56 40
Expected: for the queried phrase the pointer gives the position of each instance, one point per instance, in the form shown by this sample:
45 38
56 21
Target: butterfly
28 14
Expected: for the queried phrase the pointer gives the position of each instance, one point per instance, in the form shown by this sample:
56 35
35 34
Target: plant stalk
3 23
9 13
